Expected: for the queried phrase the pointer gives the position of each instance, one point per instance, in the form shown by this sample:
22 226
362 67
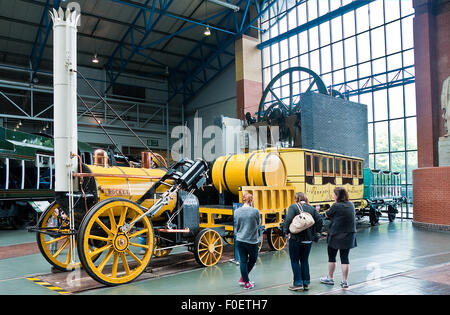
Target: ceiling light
95 59
235 8
207 31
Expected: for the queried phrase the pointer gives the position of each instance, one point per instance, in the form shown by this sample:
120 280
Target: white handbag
301 221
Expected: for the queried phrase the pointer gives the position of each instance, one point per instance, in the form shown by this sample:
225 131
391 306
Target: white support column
65 95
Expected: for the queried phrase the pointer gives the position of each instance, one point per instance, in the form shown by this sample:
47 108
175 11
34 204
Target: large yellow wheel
102 225
208 247
56 248
275 239
160 252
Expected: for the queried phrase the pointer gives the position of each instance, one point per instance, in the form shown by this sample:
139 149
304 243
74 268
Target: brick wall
431 191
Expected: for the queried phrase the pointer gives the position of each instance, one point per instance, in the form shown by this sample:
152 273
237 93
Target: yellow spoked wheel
117 252
208 247
56 248
229 238
158 252
275 239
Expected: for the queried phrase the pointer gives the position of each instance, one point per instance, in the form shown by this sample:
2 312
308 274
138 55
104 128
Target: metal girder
40 41
138 48
401 76
171 15
222 44
109 20
150 20
227 30
326 17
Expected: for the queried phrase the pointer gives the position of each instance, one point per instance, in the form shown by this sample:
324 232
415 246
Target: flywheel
283 94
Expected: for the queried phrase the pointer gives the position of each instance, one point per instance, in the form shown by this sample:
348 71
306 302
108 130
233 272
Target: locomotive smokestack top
65 24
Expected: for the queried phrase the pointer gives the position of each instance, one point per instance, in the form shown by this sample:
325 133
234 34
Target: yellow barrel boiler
101 181
129 183
250 169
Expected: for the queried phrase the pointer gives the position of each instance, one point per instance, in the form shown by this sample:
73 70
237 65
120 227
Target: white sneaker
326 280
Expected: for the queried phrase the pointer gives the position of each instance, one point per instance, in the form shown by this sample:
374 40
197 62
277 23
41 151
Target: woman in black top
341 235
300 243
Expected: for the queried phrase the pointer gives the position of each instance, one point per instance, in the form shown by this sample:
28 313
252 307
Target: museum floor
392 258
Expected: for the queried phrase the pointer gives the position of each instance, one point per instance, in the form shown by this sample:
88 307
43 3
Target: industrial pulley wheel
55 246
208 247
283 94
121 257
160 252
275 239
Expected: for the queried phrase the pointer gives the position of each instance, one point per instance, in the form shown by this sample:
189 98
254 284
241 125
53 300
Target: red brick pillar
431 183
431 192
248 75
426 89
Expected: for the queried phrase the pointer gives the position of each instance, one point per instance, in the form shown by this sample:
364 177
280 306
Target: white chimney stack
65 94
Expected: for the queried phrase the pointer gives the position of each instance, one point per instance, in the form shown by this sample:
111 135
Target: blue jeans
299 254
236 252
248 253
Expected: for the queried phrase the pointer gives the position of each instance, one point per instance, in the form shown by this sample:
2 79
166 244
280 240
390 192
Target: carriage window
360 173
355 169
3 173
45 175
349 168
330 166
15 174
325 165
31 176
317 165
337 167
344 168
308 162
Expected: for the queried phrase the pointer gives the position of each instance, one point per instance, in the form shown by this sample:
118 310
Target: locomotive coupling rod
153 209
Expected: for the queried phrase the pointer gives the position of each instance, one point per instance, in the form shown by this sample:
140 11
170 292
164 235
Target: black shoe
305 287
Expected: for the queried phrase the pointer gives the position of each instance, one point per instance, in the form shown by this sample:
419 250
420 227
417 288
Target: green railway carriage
383 193
27 174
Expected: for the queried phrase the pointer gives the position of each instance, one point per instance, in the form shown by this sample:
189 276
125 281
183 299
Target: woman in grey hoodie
247 221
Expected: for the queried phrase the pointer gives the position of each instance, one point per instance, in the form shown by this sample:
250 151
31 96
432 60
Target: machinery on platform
115 218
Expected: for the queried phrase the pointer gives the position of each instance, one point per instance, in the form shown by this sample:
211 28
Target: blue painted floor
392 258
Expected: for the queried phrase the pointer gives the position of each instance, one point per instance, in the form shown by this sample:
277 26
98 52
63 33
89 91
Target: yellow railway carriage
313 172
317 173
273 176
